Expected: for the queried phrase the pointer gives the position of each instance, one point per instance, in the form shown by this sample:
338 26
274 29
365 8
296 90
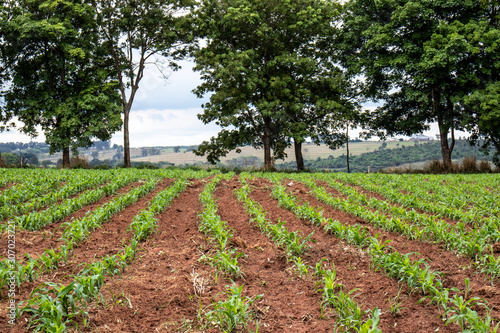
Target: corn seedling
234 313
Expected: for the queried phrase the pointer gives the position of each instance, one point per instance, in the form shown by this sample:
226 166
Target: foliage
485 119
268 79
421 58
60 75
234 312
388 158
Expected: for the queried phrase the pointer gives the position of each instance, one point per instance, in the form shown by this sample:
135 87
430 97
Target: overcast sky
164 113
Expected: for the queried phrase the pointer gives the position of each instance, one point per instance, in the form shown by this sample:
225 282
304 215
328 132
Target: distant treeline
385 158
42 147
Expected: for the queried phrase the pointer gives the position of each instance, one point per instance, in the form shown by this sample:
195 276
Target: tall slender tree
138 33
60 76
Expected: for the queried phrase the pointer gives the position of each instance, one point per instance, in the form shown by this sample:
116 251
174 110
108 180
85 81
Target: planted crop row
293 244
473 244
78 230
53 313
488 233
25 191
75 232
73 187
349 313
234 312
37 220
459 193
224 259
473 215
417 274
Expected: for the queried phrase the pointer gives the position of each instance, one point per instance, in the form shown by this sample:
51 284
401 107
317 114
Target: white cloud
153 127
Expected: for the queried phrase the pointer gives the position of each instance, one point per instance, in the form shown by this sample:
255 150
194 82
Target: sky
164 113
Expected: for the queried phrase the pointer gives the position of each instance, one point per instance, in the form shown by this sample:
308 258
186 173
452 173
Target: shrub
78 162
469 165
484 166
436 166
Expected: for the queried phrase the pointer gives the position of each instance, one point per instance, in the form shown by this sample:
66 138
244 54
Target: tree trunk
446 147
66 161
1 163
298 155
266 139
126 139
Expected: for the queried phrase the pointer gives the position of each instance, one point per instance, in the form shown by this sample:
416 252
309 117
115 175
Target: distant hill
382 158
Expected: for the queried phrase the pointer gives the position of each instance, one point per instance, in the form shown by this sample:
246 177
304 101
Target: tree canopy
269 79
60 76
278 72
419 57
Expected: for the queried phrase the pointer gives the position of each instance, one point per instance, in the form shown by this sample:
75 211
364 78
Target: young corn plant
301 268
212 224
349 314
227 261
234 313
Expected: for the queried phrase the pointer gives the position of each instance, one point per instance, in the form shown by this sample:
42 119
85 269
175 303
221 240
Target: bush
469 165
78 162
438 167
484 166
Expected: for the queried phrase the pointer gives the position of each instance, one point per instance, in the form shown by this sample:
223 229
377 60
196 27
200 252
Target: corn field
201 251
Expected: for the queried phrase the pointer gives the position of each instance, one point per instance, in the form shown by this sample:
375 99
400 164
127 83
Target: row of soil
30 242
455 268
168 286
354 270
107 240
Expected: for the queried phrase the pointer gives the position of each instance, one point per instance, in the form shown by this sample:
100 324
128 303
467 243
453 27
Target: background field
310 152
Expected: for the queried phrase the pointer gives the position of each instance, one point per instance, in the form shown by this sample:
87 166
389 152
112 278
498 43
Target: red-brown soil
352 265
168 288
456 268
30 242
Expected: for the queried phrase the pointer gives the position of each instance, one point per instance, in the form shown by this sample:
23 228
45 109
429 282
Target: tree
482 105
60 76
484 118
263 67
414 60
138 33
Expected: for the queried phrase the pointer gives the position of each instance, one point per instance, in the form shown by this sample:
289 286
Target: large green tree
414 59
270 83
60 77
7 11
138 33
482 104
